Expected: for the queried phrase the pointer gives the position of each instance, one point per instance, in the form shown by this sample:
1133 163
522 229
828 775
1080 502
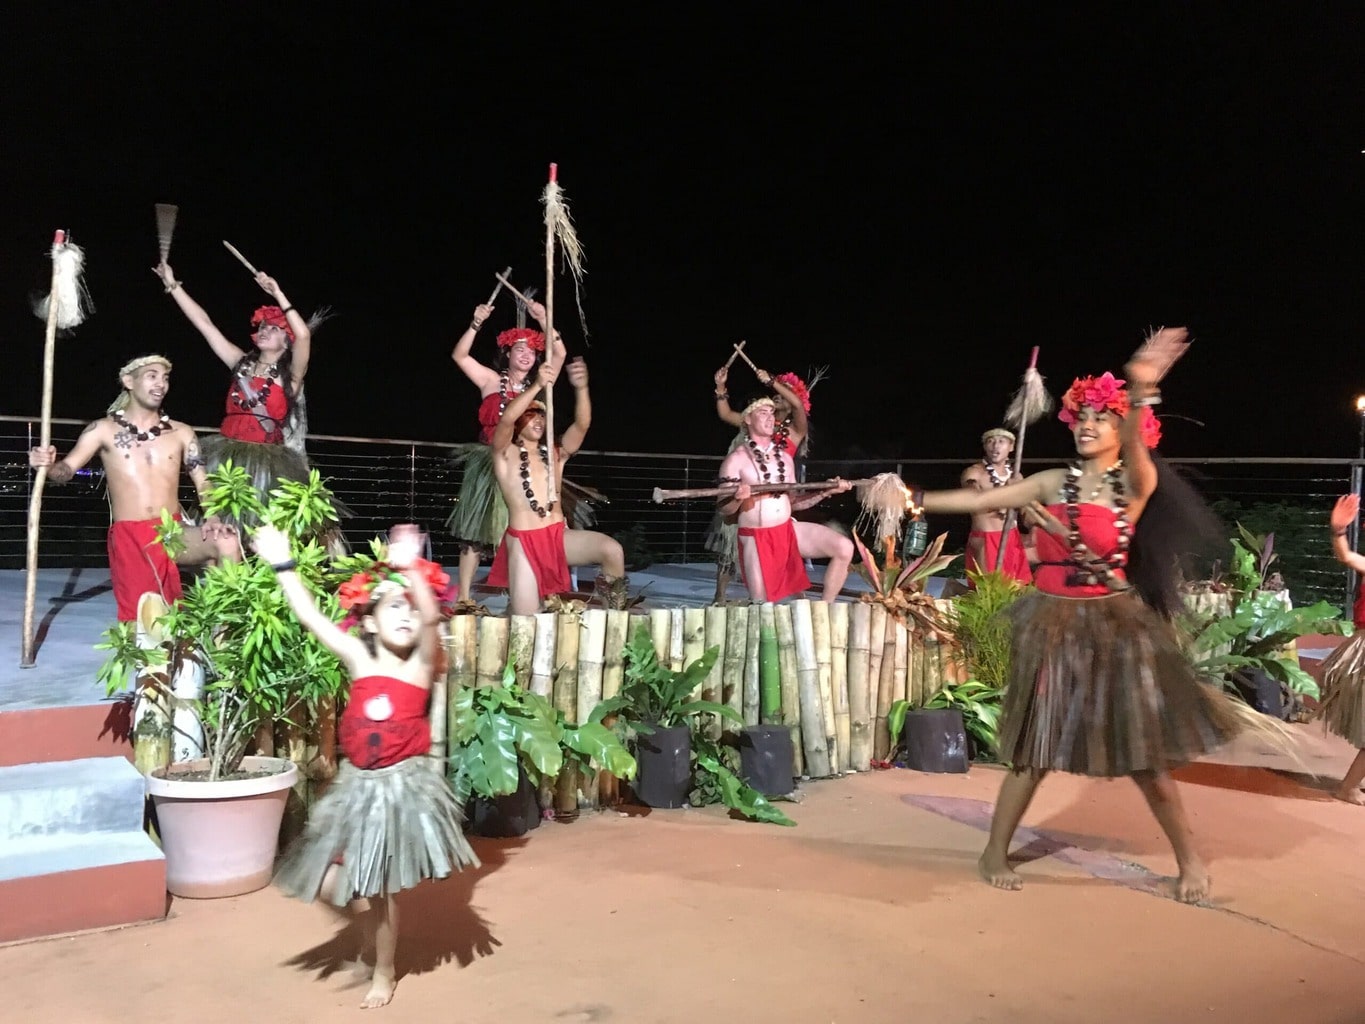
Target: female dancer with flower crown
388 820
1098 684
1343 672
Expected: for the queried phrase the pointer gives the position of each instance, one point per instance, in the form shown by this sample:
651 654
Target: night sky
913 203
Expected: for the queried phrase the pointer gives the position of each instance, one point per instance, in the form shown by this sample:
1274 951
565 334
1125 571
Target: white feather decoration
68 289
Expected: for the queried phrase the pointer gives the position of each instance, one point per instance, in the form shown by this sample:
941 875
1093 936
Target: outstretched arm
836 486
273 546
1039 487
302 346
405 543
506 428
225 350
1344 513
61 471
582 408
483 377
723 408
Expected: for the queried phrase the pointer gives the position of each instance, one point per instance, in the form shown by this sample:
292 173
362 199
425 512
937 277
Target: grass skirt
479 517
391 828
1101 687
265 464
1343 691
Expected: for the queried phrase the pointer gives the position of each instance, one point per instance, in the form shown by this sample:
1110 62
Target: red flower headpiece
274 317
534 339
1107 394
358 591
798 385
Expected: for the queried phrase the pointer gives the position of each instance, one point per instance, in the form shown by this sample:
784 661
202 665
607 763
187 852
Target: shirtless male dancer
983 544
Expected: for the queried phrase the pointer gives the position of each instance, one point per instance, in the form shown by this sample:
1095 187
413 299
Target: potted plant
219 816
505 741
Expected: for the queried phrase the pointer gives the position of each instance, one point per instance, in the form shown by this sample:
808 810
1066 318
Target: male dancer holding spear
990 531
773 545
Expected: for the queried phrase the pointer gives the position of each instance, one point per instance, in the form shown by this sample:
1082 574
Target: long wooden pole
550 496
661 495
35 507
1013 514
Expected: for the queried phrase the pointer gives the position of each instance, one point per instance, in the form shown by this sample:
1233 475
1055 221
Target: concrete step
55 884
89 795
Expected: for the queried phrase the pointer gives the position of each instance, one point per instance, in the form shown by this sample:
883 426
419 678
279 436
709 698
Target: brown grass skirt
1101 687
1343 691
391 827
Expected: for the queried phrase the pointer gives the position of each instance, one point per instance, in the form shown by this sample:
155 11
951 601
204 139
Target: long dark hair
1176 533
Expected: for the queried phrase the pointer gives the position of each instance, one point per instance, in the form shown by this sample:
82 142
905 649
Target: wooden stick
543 654
838 650
508 285
808 677
233 249
739 352
791 686
502 280
549 393
35 505
859 702
736 352
1012 516
661 495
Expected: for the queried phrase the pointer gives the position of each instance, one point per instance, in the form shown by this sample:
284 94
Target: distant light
1360 403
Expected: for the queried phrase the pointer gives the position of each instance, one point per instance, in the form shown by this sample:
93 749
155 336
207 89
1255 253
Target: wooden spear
551 192
1030 404
661 495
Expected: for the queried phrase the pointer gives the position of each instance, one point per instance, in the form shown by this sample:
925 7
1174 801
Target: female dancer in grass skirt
1343 673
389 819
1099 684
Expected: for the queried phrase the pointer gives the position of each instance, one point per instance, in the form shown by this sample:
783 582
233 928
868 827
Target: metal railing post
687 483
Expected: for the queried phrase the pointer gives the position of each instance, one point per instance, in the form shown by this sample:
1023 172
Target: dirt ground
869 911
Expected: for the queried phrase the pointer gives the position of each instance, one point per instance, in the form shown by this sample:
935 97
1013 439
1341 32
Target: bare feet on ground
381 991
1193 884
1352 795
997 871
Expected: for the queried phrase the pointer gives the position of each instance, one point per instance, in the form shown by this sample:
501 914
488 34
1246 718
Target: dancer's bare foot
381 991
996 870
1351 794
1193 884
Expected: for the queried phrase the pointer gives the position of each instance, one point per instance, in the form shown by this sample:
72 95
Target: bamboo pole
549 393
676 630
460 670
933 667
591 658
612 662
885 684
791 687
901 689
491 657
35 505
819 621
914 671
753 676
565 695
838 652
768 708
734 679
439 724
637 619
660 625
521 642
859 697
543 654
808 677
728 671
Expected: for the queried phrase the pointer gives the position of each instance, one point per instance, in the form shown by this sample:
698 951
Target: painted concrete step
55 884
89 795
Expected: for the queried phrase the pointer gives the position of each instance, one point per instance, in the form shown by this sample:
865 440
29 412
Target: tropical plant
901 589
497 731
260 665
980 632
978 702
716 779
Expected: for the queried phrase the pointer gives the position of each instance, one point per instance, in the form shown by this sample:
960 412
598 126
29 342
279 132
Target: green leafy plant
716 779
260 664
979 631
978 702
497 731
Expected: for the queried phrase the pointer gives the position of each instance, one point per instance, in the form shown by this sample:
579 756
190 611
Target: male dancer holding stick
772 545
990 529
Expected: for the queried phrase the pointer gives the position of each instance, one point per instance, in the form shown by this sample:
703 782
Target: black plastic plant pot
664 767
766 759
935 740
505 817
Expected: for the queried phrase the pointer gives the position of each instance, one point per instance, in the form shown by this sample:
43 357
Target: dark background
913 199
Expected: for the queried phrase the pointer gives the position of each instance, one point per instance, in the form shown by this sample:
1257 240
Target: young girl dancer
389 820
1343 673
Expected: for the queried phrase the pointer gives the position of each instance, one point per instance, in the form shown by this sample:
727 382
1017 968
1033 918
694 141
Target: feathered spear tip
68 290
165 228
815 376
1031 402
883 502
558 219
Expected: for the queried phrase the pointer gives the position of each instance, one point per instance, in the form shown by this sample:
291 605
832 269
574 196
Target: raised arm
302 346
1344 513
557 352
724 410
405 543
1040 487
800 424
484 378
506 428
1145 371
273 546
582 409
225 350
61 471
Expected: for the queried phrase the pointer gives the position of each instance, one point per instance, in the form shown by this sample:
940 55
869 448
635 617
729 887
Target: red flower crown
798 385
274 317
1107 394
534 339
357 592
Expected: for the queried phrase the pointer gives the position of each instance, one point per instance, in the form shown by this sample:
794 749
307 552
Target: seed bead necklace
526 477
508 391
156 430
1089 569
760 458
